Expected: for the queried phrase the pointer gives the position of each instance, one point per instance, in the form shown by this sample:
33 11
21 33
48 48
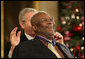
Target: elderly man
44 44
24 21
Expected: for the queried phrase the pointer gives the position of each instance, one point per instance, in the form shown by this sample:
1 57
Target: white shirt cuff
10 54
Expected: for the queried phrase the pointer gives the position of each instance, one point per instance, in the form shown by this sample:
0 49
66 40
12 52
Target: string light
63 22
71 49
77 17
82 38
80 25
73 16
77 10
82 48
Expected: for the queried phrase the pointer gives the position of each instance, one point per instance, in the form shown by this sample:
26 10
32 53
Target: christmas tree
71 26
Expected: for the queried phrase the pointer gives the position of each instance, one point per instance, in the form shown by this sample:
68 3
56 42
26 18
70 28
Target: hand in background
14 39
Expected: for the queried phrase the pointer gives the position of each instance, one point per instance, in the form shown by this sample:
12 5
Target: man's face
28 27
46 24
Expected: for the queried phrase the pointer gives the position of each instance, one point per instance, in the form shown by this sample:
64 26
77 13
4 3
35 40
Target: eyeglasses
45 19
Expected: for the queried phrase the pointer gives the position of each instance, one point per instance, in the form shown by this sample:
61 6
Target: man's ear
35 27
22 24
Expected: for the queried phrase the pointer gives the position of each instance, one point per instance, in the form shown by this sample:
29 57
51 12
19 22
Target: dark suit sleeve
21 51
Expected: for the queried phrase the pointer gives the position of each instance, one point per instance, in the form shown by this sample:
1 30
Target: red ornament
59 28
78 47
83 27
77 28
83 23
67 33
82 55
82 18
70 34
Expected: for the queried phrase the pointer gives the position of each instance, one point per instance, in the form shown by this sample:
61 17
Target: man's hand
59 38
14 39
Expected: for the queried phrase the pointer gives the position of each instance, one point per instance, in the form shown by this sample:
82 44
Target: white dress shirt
29 37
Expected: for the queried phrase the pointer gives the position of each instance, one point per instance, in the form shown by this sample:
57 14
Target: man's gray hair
23 12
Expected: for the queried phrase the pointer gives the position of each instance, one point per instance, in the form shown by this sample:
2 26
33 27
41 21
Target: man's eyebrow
48 18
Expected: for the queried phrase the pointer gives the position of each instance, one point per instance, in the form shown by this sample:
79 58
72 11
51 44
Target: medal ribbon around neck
53 43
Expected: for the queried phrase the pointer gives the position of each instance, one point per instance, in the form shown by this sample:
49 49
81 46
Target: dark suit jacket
8 45
35 49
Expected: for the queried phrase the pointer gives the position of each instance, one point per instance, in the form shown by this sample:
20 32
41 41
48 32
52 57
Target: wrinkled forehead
37 18
43 15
